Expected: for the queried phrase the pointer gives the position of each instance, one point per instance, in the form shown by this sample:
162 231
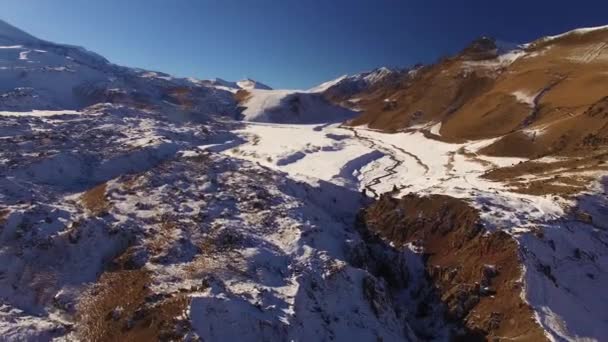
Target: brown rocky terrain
478 275
94 200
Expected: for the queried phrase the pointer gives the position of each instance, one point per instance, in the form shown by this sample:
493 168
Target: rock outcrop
477 273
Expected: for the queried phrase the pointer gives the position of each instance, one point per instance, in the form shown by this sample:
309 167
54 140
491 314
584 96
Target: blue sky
289 43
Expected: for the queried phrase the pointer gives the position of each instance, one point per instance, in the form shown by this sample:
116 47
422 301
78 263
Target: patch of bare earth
94 200
121 307
158 244
3 215
476 273
475 158
242 96
181 96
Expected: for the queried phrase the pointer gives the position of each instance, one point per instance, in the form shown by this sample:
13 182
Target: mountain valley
460 201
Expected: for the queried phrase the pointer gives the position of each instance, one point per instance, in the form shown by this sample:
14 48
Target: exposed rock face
345 88
480 49
476 273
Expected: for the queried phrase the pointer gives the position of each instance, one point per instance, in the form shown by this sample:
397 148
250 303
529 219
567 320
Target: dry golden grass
242 96
3 215
565 80
131 182
138 320
181 96
562 178
476 102
94 200
164 237
475 158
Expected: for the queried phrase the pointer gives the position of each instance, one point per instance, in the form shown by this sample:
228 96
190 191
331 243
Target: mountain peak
480 49
249 84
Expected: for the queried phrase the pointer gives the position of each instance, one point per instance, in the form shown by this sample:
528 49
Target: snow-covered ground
355 157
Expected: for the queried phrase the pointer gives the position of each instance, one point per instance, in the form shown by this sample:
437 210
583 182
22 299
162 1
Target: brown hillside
550 100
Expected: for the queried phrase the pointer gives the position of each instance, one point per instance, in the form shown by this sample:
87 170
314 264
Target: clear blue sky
289 43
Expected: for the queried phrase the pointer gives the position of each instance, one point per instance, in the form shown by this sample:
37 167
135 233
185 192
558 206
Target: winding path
390 170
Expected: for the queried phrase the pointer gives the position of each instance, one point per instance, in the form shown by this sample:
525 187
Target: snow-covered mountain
36 74
55 71
287 106
139 206
315 105
349 85
246 84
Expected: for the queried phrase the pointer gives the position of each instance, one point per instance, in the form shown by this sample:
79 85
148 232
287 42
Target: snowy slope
578 31
12 35
287 106
44 72
348 85
326 85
